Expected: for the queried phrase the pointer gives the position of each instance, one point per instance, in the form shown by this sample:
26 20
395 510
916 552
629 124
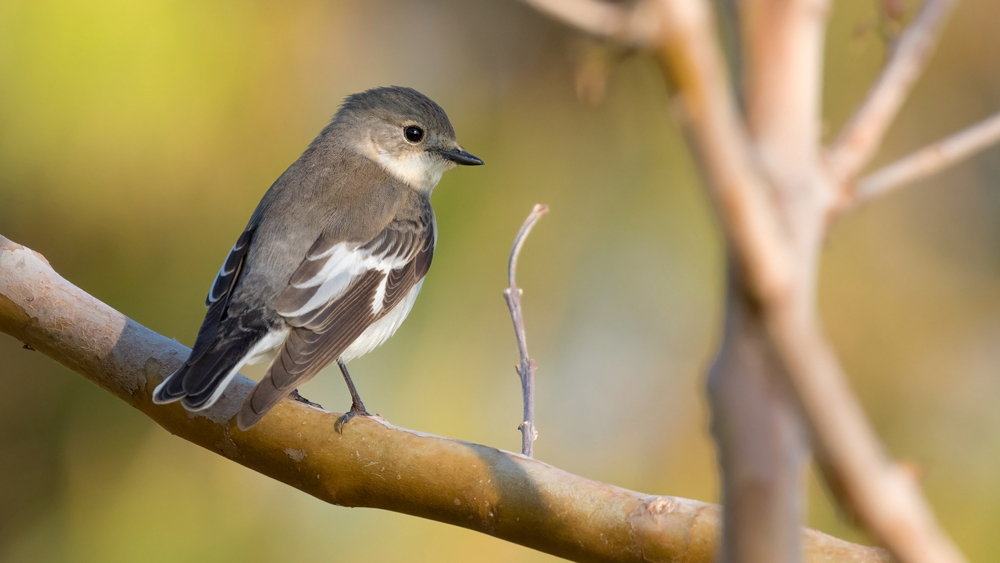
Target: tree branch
753 407
690 54
862 135
775 230
526 369
929 159
373 464
631 25
760 436
885 497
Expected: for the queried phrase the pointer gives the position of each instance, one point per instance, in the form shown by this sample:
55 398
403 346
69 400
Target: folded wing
221 346
338 292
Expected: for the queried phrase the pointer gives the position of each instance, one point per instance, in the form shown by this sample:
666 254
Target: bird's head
405 132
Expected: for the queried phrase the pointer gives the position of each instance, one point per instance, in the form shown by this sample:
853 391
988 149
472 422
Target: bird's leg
357 407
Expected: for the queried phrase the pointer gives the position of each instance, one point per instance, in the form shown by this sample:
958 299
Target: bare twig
930 159
525 369
373 464
862 135
631 25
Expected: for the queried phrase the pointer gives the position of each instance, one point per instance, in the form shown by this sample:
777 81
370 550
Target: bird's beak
458 156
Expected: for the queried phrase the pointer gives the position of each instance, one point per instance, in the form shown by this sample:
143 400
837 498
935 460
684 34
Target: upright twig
526 368
929 159
861 136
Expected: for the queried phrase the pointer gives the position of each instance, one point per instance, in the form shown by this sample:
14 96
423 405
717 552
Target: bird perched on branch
331 260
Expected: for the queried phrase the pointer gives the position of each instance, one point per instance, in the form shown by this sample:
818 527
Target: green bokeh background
136 137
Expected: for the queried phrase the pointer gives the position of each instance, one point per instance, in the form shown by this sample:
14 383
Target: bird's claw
356 410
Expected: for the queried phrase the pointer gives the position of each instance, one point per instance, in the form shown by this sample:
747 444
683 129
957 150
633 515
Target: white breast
382 329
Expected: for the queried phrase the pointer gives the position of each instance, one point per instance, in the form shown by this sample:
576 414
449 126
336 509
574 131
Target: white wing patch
345 262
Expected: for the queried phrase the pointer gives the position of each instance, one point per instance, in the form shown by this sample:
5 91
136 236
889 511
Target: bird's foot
357 409
296 397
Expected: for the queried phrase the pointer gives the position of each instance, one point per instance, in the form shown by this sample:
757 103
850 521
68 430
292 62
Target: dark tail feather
199 383
171 389
208 371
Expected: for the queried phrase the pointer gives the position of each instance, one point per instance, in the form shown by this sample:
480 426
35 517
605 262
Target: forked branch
774 224
863 133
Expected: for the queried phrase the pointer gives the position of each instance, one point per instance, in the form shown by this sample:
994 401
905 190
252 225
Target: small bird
332 258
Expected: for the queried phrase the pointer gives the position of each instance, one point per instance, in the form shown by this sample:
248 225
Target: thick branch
761 439
373 464
862 135
752 404
930 159
526 368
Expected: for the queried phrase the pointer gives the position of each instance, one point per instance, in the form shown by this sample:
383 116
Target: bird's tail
200 382
171 389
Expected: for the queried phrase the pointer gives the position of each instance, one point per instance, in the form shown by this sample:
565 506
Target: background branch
754 410
631 25
690 55
885 497
929 159
773 196
863 133
373 464
526 368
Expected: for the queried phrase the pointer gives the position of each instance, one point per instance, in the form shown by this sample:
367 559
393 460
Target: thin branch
373 464
526 369
863 133
930 159
690 54
883 495
686 48
630 25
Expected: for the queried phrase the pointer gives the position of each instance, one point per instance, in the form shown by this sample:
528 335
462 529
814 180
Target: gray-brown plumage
333 257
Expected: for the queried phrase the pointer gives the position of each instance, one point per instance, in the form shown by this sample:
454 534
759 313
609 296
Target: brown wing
322 329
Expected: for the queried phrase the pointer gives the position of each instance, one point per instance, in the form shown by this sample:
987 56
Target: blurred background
137 137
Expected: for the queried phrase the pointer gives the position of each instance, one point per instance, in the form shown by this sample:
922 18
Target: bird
332 259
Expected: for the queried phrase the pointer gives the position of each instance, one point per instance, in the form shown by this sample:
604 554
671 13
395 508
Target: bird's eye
413 133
